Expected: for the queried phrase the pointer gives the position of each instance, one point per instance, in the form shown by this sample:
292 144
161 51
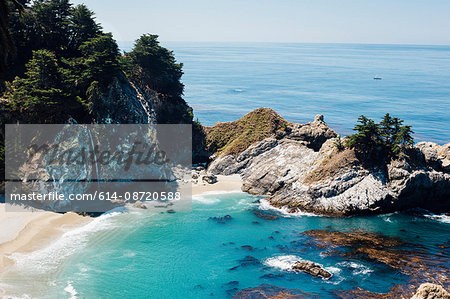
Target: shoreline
225 183
25 231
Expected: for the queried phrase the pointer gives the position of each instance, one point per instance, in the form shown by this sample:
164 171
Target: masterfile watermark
94 168
138 154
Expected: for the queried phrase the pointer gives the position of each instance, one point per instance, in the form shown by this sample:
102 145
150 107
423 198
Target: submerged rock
311 268
265 215
222 220
418 263
267 291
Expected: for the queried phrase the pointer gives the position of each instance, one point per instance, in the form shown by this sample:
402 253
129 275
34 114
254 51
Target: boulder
314 134
311 268
140 205
431 291
436 156
209 178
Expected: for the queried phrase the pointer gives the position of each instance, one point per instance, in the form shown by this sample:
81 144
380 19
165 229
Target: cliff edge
299 168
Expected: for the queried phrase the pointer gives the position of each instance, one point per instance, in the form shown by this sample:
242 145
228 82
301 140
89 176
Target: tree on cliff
395 136
387 139
99 61
43 96
83 26
367 140
158 63
52 25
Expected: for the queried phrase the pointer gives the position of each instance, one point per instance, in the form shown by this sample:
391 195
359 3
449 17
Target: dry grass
332 165
235 137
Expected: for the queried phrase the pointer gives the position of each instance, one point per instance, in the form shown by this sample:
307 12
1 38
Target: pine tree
42 96
367 138
83 26
100 60
52 24
159 65
387 139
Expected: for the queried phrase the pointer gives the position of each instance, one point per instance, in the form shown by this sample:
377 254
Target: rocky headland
299 168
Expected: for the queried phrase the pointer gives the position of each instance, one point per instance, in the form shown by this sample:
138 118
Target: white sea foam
49 258
265 205
357 269
205 199
441 218
333 270
71 290
128 254
282 262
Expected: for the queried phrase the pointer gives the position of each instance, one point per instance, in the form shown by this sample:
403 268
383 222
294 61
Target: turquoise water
147 254
226 81
143 254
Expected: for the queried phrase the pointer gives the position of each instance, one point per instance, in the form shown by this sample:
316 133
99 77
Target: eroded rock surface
301 170
311 268
431 291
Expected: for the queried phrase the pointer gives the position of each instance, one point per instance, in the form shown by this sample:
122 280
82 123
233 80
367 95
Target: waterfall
145 105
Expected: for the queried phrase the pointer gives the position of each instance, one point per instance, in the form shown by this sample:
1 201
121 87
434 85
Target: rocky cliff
300 169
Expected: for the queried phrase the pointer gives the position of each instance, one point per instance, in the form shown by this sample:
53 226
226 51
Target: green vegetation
232 138
57 64
388 139
44 92
158 64
339 144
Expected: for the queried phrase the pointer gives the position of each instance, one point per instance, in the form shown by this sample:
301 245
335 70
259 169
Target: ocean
155 254
223 82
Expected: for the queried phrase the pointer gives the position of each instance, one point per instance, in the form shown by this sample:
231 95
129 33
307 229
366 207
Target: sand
224 183
27 231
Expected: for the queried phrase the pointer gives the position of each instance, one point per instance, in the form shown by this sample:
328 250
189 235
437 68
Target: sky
297 21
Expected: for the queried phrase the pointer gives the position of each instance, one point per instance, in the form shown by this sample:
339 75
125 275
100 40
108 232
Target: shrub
338 144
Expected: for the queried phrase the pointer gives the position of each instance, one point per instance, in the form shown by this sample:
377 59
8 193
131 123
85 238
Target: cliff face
124 103
132 101
301 170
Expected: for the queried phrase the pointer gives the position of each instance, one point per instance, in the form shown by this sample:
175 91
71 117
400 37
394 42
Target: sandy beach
25 231
224 183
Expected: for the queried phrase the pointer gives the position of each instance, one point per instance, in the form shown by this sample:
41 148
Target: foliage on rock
235 137
387 139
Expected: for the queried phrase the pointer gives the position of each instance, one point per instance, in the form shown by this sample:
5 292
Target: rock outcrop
210 179
300 169
124 103
232 138
311 268
431 291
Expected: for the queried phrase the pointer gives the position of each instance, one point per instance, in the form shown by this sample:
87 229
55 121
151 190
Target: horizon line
286 42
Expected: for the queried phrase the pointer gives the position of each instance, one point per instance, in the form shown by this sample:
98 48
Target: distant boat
377 77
